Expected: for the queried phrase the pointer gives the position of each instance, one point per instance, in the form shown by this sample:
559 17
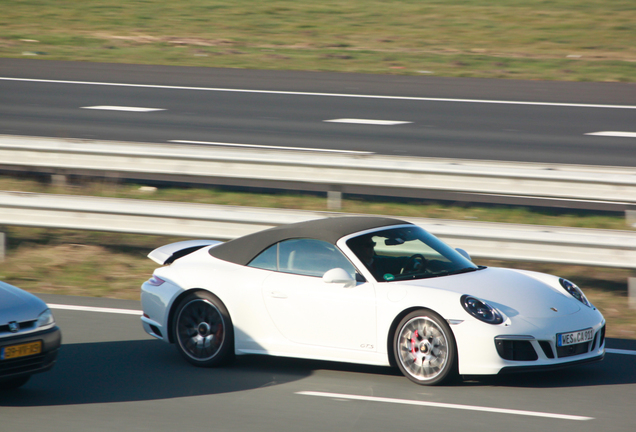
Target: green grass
577 40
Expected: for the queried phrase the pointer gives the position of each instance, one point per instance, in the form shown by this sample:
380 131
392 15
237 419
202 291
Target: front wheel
425 349
203 330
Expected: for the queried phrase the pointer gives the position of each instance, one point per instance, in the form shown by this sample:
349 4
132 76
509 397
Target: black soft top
243 249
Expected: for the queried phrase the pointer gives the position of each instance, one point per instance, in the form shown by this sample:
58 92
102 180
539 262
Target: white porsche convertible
368 290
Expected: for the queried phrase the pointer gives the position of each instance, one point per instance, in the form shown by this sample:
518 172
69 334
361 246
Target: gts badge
366 346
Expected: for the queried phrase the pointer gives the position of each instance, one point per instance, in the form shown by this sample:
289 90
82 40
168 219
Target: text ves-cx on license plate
565 339
23 350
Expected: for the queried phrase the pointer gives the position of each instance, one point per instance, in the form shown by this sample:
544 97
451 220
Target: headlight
46 319
481 310
575 291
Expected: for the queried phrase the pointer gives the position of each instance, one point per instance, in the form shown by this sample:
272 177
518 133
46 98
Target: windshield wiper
438 274
455 272
464 270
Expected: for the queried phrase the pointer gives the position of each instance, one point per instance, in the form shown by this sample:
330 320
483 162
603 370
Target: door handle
278 294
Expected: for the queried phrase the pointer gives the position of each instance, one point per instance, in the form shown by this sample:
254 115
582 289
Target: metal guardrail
485 181
606 248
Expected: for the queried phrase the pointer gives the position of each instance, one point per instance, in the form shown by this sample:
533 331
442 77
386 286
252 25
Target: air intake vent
24 326
602 337
22 364
518 350
572 350
547 349
156 331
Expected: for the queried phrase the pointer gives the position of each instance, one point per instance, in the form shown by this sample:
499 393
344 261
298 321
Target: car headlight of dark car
481 310
575 291
46 319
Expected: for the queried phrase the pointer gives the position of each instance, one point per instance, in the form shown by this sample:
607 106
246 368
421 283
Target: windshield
407 253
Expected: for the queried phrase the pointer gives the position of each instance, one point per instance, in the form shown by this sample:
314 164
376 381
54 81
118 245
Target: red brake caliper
413 344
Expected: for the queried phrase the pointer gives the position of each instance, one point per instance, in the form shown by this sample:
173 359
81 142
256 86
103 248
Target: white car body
327 318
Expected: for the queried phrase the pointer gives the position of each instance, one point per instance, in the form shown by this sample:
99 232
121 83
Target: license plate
22 350
565 339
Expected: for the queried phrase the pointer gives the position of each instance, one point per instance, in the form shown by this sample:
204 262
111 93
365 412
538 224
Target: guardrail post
334 200
630 217
2 247
631 292
58 179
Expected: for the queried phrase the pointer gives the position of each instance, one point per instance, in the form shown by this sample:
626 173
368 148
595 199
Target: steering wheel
416 263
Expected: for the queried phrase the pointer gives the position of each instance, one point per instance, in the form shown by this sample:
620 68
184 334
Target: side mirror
339 276
463 253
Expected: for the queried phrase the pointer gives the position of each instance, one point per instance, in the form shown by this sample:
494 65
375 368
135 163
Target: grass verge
574 40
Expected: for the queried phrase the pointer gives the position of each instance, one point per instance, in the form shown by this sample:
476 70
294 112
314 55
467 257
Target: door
307 310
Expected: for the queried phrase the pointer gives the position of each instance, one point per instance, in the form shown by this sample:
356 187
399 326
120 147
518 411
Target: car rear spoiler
167 254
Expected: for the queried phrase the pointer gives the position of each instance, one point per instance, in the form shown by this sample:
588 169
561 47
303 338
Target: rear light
155 281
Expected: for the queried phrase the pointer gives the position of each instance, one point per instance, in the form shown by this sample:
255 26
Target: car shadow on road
138 370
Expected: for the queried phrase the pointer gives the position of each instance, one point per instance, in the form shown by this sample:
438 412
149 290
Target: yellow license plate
22 350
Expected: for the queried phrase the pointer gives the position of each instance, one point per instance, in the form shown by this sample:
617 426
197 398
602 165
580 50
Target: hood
18 305
512 292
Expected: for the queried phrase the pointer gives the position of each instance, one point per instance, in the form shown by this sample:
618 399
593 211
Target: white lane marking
410 98
367 122
122 108
614 134
620 351
445 405
269 147
95 309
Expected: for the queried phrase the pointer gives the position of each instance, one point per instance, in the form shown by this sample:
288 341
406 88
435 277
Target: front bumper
549 367
523 345
28 365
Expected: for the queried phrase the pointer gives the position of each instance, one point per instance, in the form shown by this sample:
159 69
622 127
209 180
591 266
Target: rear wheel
203 330
425 349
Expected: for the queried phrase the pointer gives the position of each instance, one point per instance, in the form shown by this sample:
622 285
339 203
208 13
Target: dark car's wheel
14 383
425 349
203 330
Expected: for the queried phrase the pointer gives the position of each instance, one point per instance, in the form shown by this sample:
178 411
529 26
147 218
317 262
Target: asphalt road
111 376
440 117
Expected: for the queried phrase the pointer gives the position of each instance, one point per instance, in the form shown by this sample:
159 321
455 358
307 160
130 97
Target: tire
14 383
203 330
425 348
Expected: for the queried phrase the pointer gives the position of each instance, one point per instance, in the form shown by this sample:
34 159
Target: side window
266 260
304 257
311 257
